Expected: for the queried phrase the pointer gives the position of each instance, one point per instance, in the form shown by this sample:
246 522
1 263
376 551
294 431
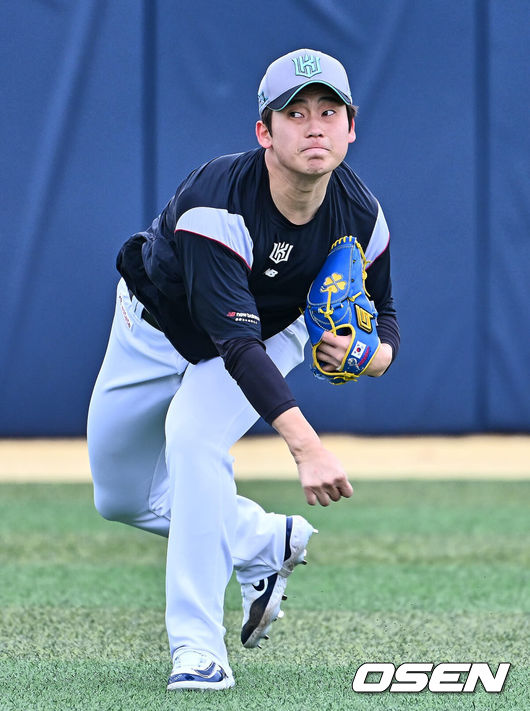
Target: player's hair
266 116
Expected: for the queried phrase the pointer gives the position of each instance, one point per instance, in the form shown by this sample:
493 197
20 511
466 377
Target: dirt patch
481 457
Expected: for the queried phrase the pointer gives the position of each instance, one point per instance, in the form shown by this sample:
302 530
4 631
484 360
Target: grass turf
404 571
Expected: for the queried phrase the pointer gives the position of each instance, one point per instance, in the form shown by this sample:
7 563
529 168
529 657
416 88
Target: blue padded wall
107 105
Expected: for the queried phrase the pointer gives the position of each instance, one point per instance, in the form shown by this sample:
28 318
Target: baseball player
207 325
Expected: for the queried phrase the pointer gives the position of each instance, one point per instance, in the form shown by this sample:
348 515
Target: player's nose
314 125
314 128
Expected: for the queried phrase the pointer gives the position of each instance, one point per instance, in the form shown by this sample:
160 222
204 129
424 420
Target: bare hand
332 350
322 477
321 474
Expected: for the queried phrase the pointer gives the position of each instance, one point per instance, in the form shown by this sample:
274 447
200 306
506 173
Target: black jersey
221 262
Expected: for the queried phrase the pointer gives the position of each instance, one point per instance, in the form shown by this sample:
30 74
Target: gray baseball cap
286 76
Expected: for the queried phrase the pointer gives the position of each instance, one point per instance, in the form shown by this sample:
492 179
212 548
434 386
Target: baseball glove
338 302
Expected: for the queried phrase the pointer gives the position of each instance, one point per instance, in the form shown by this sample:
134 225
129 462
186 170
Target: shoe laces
193 658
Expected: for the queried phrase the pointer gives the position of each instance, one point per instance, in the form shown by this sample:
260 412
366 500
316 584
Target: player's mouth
314 147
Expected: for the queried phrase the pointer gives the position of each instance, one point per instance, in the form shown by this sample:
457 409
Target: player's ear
263 135
351 134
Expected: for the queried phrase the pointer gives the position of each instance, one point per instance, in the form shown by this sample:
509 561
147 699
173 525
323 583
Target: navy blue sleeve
258 377
220 302
215 280
388 331
216 284
379 283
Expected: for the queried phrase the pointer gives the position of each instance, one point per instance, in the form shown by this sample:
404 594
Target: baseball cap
286 76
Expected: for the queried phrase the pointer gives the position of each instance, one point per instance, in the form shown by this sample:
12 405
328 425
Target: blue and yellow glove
338 302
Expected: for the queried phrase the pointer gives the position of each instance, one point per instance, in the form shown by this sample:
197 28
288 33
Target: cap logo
262 99
307 66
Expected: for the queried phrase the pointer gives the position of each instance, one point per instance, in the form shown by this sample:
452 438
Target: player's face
311 135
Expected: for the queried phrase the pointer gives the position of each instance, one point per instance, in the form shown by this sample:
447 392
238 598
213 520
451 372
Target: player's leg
210 525
254 556
263 575
139 376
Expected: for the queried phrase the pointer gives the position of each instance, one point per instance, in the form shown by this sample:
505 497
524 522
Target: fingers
346 489
316 494
327 493
327 349
328 360
328 337
310 496
325 352
331 350
339 489
334 494
322 477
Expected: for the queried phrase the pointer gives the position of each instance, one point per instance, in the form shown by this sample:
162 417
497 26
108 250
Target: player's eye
295 114
329 112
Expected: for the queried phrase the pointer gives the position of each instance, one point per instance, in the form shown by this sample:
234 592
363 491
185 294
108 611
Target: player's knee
112 509
104 508
184 451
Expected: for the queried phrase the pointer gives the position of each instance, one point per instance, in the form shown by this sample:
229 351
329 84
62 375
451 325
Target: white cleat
262 600
194 669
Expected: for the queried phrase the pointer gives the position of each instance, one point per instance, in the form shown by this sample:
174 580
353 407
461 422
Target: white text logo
443 678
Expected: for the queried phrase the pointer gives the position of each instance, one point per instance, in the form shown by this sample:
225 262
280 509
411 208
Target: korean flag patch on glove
338 302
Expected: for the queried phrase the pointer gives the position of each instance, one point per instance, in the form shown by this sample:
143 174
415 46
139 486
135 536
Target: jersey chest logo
280 252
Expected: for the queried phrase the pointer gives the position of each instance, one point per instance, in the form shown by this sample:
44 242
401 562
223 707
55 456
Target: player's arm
322 476
216 278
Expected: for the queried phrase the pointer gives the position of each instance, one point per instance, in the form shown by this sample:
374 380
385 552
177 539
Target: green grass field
404 571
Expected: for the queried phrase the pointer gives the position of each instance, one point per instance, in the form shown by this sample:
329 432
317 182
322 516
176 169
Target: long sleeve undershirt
260 380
